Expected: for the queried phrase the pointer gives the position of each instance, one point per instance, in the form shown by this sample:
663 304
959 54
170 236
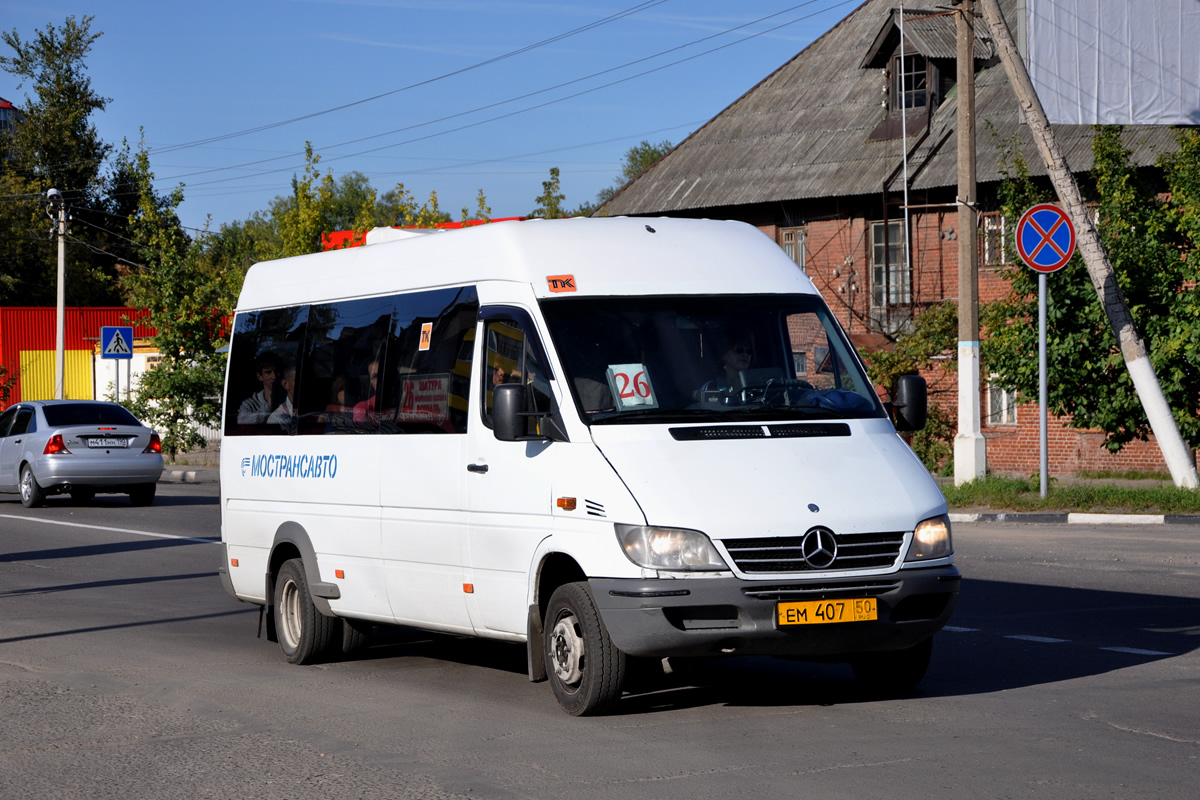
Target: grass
1023 494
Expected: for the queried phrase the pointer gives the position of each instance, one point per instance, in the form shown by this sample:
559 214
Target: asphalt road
126 671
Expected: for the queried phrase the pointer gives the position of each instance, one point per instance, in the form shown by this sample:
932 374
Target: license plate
821 612
96 441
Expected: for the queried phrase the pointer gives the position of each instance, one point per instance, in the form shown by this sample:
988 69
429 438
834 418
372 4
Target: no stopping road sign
1045 238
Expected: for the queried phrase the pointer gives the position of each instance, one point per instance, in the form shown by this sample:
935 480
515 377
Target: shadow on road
1003 636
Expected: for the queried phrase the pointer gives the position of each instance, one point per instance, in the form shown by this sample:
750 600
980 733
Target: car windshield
68 414
707 358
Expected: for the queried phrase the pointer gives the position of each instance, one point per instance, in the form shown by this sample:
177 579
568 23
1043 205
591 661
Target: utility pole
970 448
57 210
1133 349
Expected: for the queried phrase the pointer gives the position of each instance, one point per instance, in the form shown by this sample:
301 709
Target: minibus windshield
707 358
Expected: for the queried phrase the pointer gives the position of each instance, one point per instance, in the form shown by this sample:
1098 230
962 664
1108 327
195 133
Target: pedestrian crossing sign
116 341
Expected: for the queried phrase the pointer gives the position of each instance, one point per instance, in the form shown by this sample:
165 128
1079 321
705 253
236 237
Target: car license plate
820 612
97 441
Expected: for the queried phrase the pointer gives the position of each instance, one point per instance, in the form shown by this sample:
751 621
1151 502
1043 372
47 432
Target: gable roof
802 133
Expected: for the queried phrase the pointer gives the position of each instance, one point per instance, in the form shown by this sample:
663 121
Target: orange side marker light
339 573
469 588
566 503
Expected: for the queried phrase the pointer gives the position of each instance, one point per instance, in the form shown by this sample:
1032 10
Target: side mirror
508 401
911 406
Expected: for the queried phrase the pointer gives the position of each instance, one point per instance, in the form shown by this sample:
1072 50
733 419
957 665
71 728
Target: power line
526 96
557 38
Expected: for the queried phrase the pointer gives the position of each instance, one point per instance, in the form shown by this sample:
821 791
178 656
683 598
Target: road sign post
116 341
1045 242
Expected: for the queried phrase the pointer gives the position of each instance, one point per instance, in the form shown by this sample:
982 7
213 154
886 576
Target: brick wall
839 263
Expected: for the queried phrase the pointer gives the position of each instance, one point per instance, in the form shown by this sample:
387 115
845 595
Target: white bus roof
602 257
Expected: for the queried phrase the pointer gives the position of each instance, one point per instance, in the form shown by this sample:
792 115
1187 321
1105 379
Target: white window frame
794 242
891 278
1001 404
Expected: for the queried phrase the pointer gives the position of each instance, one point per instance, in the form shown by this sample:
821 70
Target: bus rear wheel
586 670
305 634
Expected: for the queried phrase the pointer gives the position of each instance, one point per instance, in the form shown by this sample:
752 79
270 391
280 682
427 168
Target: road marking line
952 629
112 530
1134 651
1042 639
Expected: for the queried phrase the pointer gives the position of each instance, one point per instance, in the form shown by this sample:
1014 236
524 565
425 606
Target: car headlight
931 539
675 549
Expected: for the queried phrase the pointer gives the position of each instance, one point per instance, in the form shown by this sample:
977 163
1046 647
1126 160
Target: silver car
80 447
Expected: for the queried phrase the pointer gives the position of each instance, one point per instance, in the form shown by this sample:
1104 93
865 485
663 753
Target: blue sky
443 118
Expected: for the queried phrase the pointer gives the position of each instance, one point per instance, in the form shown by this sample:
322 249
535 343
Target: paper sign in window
426 335
630 386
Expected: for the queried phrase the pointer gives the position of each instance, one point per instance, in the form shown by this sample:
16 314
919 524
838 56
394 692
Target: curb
189 476
1079 519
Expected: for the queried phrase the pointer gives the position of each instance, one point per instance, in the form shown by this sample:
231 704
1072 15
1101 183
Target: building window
995 239
794 242
1001 405
891 281
912 83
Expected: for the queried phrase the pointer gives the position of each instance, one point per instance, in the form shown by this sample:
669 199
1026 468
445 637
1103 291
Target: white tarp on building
1116 62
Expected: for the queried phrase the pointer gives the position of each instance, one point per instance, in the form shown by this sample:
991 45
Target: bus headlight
931 539
673 549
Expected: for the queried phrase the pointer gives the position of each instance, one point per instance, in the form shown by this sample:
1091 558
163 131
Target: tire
305 634
355 635
894 672
585 669
142 494
32 494
81 496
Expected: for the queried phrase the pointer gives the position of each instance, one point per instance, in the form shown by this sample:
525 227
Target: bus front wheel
304 632
586 670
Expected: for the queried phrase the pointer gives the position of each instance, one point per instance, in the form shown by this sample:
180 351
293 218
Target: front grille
783 554
821 591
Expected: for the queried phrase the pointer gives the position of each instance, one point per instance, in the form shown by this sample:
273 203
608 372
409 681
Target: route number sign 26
630 386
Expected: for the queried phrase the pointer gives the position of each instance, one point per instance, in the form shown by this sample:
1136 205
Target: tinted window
395 364
428 370
61 416
339 387
24 422
264 350
707 358
6 420
511 356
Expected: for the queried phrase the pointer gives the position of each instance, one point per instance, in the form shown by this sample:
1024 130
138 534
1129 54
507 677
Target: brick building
814 156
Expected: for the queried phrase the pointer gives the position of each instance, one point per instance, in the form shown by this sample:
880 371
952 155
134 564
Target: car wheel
305 634
143 494
32 494
81 496
586 670
896 671
356 633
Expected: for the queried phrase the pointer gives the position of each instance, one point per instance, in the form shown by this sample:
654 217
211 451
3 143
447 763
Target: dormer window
911 89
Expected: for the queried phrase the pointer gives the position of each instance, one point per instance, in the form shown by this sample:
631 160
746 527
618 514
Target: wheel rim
26 485
566 651
289 615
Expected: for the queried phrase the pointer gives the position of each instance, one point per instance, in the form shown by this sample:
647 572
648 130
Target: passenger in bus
255 409
285 414
365 411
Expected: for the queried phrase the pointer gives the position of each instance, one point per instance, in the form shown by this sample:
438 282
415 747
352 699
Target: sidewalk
1078 518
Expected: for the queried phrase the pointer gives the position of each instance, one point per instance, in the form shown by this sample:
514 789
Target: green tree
1151 248
637 159
186 296
550 200
55 144
934 332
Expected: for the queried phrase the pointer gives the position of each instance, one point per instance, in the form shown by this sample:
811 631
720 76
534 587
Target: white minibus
607 439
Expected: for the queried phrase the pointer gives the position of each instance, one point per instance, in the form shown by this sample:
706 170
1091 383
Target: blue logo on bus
293 466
